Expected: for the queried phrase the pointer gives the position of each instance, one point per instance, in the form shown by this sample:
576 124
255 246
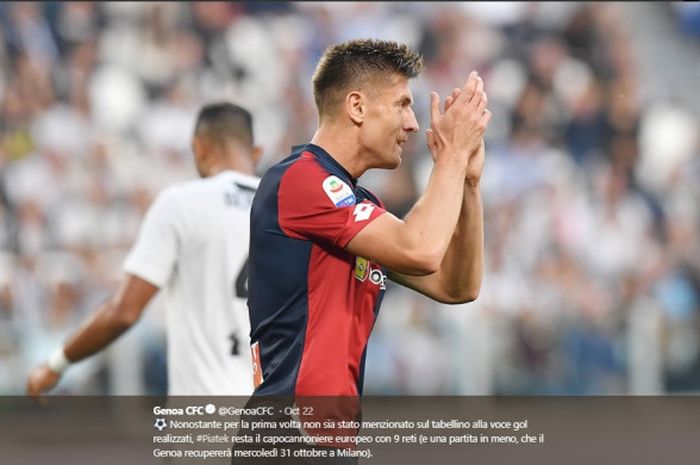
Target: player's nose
410 122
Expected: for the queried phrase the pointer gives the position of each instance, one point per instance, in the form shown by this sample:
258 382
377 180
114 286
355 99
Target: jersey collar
322 154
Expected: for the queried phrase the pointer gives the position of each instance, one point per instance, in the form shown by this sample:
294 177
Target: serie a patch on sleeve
340 193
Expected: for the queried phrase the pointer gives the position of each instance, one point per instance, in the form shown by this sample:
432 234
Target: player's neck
238 165
335 141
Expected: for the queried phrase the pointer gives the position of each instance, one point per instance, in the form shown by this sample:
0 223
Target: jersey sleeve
315 205
154 254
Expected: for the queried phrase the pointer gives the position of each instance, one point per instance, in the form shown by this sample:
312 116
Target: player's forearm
430 223
97 332
461 270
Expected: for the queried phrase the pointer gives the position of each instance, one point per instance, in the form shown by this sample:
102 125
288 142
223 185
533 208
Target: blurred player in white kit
193 244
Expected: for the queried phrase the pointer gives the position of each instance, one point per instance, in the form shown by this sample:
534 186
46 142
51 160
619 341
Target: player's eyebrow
406 100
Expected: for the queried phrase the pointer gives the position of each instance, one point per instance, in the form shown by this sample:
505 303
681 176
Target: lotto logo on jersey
340 193
362 212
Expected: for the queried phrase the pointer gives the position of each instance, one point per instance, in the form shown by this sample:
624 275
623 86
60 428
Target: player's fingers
32 383
448 103
482 102
40 380
31 392
434 106
485 118
429 138
470 85
33 389
478 91
38 397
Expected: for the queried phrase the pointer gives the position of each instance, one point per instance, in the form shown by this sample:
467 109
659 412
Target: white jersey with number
193 244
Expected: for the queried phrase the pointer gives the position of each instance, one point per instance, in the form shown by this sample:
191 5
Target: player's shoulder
280 168
273 176
309 180
302 166
371 196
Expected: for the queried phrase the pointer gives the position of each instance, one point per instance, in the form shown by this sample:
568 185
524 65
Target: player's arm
458 279
428 246
416 244
111 319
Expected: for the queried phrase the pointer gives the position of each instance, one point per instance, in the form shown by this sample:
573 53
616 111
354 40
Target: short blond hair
350 64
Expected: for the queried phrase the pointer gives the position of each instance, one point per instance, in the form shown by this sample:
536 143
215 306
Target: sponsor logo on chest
365 269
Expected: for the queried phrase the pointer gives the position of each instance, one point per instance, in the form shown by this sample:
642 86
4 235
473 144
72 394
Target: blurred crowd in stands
591 187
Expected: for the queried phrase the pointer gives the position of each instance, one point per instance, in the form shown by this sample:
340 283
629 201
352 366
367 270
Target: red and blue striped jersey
312 304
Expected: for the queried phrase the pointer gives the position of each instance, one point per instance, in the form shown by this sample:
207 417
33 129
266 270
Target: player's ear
256 154
199 146
355 106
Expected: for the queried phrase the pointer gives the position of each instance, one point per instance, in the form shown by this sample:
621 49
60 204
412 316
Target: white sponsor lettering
377 277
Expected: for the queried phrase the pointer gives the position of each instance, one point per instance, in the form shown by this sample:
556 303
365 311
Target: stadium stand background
591 187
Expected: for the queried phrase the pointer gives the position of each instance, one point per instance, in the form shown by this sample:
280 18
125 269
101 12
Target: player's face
389 121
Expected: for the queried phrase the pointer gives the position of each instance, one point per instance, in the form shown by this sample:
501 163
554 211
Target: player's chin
392 163
394 160
389 159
